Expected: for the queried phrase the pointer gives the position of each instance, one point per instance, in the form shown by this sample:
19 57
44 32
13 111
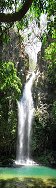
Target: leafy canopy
9 82
50 55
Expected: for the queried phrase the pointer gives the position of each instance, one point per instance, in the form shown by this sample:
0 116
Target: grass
25 182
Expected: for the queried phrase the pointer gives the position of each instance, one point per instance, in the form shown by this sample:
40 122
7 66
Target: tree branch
17 16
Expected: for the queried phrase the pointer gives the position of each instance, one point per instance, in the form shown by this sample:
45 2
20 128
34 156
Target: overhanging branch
17 16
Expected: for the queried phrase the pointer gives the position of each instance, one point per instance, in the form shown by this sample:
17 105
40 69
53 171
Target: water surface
26 171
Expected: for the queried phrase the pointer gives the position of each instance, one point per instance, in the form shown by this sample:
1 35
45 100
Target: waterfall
32 42
25 116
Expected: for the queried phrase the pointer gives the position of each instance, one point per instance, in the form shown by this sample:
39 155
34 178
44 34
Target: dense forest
14 66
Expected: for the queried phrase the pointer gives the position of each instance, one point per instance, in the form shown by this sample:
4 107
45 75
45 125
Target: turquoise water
33 171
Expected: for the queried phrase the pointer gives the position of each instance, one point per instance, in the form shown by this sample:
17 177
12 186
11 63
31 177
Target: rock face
14 51
40 90
43 96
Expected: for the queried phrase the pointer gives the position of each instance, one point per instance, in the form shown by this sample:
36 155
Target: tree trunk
17 16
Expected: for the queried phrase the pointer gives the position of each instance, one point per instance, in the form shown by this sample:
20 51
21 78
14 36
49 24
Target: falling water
25 115
32 42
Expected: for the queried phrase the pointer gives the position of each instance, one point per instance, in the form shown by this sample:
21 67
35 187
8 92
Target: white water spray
25 116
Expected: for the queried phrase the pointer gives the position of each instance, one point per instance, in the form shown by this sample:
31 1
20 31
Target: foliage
54 110
10 89
50 55
50 6
8 5
27 182
43 147
10 83
50 52
43 137
51 73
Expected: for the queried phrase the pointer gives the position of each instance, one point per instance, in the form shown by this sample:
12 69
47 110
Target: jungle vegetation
44 129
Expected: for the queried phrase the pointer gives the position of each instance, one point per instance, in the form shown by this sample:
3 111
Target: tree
43 129
17 16
10 84
10 90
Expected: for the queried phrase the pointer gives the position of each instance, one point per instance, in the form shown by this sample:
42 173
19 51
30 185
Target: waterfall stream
32 42
25 116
